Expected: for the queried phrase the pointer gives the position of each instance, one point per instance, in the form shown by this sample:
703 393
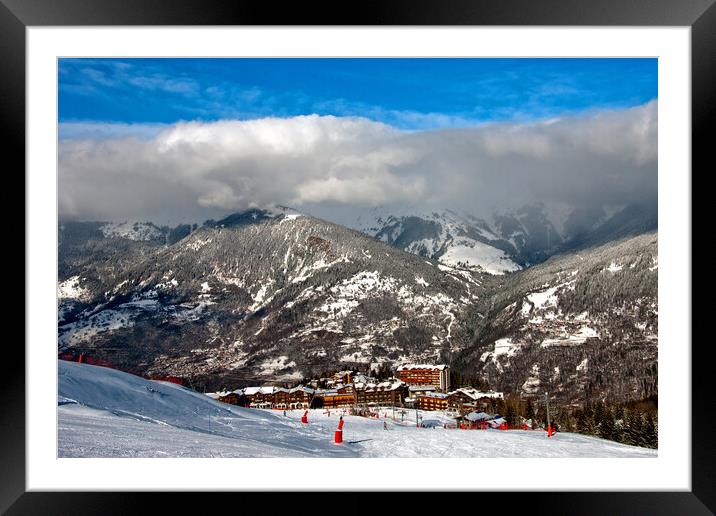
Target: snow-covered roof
363 378
478 416
249 391
382 386
476 394
396 384
217 395
405 367
438 395
421 388
301 388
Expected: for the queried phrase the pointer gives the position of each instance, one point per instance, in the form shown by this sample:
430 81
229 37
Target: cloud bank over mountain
194 170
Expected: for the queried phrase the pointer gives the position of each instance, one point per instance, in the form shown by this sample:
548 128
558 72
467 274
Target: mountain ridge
275 296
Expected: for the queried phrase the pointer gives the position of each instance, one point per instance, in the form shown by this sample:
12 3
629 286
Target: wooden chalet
259 397
280 398
343 396
300 397
343 377
437 376
433 401
466 399
390 393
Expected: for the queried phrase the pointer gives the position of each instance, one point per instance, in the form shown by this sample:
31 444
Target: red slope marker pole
338 438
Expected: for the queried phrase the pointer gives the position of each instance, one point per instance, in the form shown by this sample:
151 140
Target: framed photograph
423 248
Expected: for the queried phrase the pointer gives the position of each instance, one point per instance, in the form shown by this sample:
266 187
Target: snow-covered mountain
453 239
132 230
509 240
507 243
278 295
262 295
581 326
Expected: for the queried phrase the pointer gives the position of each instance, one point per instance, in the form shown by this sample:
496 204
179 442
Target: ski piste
108 413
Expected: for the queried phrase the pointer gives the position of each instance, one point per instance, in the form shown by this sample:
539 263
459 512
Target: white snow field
107 413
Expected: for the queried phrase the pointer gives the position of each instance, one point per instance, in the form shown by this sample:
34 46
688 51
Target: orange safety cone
304 418
338 439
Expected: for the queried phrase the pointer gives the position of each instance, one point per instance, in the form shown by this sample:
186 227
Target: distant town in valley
422 386
423 395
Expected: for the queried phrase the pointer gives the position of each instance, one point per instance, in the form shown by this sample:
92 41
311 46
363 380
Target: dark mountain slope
269 296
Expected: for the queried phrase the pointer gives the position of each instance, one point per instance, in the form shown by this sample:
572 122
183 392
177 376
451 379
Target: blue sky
410 94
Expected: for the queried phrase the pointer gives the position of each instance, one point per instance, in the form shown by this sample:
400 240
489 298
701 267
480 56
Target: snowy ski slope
107 413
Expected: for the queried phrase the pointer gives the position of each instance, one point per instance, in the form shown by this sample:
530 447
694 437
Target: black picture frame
700 15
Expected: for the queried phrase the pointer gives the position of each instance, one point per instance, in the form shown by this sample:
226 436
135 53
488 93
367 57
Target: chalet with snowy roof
474 420
214 395
437 376
280 398
217 395
495 422
300 397
342 377
364 378
233 398
389 393
467 399
433 401
259 397
343 396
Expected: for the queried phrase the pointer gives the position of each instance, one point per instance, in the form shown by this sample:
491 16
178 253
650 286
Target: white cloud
195 170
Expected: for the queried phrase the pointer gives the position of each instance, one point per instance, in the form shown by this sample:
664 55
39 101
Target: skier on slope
385 425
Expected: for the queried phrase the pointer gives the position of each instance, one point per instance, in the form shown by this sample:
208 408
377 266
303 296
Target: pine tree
530 410
651 434
598 416
586 424
606 427
511 414
581 423
619 424
633 430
